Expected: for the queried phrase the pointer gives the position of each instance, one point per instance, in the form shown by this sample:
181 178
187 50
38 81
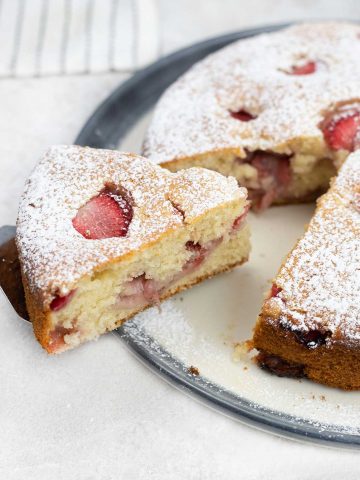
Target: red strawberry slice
274 176
305 69
193 247
272 165
342 128
60 302
242 115
105 216
275 290
197 258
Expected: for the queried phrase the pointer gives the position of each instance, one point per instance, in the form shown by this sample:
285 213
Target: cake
103 235
310 323
280 112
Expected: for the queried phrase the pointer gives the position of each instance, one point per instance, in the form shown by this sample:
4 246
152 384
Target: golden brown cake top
55 233
286 80
320 280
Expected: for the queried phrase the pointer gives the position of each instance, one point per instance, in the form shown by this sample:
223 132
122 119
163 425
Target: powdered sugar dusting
193 116
172 327
320 280
54 255
182 191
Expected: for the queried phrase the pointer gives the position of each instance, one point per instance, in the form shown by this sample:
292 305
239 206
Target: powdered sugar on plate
169 339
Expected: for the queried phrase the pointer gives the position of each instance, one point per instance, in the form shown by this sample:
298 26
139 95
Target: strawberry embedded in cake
288 97
106 215
60 302
242 115
102 235
305 69
341 127
271 177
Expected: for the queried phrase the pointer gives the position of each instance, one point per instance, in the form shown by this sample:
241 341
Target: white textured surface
55 37
97 413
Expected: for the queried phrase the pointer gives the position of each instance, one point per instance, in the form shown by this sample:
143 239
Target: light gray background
97 413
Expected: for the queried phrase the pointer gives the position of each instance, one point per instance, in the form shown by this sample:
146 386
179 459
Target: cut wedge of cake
279 112
310 323
102 235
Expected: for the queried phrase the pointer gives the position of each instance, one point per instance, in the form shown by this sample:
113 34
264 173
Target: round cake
279 112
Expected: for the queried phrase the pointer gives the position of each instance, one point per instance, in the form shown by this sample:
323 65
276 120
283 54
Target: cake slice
102 235
278 111
310 323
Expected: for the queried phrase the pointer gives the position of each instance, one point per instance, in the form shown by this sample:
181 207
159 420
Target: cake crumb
241 350
193 371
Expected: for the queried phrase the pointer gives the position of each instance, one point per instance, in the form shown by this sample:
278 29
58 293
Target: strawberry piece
151 290
342 128
313 338
278 366
262 199
275 290
57 338
242 115
199 254
305 69
105 216
193 247
274 176
197 258
140 291
60 302
272 165
239 221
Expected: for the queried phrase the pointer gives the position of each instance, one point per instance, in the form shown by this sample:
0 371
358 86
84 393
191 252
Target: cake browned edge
280 352
336 364
41 318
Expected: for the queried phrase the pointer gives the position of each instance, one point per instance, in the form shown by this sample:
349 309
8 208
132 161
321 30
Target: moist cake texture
279 112
310 324
102 235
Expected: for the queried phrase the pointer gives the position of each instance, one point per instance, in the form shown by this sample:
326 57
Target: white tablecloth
98 413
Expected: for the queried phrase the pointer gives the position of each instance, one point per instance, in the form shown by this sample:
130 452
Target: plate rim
173 370
230 404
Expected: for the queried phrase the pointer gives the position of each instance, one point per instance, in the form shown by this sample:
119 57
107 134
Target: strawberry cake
310 324
102 235
280 112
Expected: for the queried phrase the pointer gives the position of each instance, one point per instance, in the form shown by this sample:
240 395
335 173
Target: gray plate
115 119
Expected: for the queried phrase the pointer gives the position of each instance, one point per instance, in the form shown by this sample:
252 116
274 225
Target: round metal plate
109 124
